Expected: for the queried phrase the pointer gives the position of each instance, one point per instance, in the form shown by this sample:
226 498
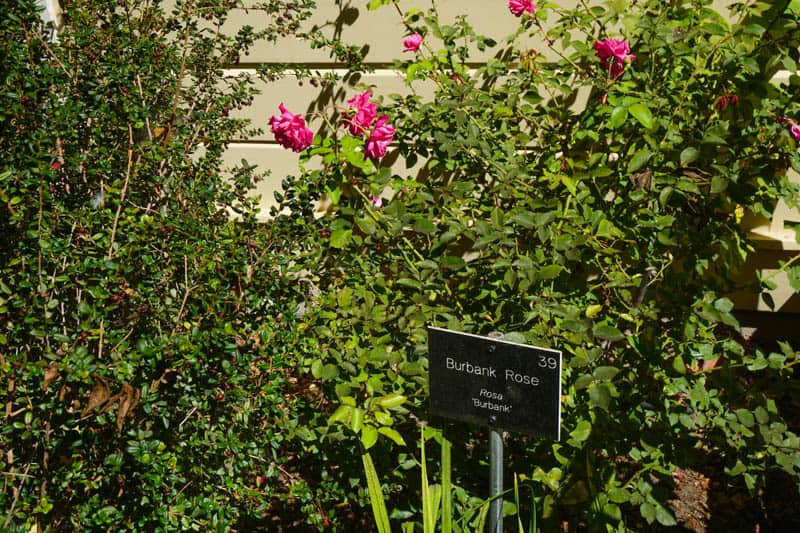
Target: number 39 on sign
548 362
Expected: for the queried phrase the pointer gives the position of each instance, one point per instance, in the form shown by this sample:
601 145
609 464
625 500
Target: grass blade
428 524
447 493
376 495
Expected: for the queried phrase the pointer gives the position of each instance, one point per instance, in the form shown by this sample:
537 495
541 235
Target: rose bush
592 210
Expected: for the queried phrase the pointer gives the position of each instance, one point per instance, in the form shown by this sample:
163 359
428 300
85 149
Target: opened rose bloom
613 54
365 112
412 42
518 7
290 130
382 134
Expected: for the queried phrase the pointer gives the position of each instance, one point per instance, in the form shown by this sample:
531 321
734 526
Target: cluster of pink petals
613 54
518 7
365 113
794 127
290 130
379 139
412 42
362 120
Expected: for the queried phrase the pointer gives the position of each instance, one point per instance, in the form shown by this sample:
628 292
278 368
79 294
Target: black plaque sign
495 383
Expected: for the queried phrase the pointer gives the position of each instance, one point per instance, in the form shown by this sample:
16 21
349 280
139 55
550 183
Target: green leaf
341 414
618 495
408 282
356 419
451 262
639 160
328 372
714 28
618 117
515 336
760 363
612 511
664 517
367 225
340 238
745 417
718 184
793 274
581 431
524 219
600 395
569 183
423 225
593 310
605 373
369 436
316 368
642 113
392 434
648 512
550 271
375 4
608 230
584 381
383 418
391 400
723 305
689 155
606 332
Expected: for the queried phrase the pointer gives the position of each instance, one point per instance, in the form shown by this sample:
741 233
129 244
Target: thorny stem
408 243
123 193
185 294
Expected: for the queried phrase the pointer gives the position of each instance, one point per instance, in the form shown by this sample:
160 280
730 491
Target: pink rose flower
794 127
290 130
518 7
382 134
412 42
613 53
365 114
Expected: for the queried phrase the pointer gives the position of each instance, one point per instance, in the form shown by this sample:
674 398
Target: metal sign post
492 382
495 469
496 481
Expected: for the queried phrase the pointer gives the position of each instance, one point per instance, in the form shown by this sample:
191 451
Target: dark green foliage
145 337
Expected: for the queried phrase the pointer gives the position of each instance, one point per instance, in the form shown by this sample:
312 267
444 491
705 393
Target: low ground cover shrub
583 194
